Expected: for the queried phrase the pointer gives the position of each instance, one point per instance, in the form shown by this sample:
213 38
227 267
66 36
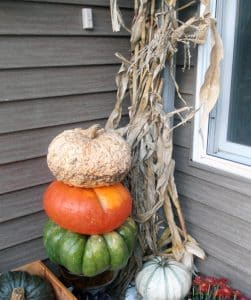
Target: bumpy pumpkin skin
35 287
87 211
89 158
162 279
90 255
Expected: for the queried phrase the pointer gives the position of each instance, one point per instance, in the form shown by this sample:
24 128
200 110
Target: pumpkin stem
162 262
17 294
92 131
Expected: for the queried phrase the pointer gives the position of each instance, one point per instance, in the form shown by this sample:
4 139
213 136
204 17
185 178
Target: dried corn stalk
155 35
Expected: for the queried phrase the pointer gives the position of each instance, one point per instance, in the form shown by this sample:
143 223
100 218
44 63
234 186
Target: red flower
218 287
224 292
237 293
222 281
228 291
211 280
204 287
219 293
198 280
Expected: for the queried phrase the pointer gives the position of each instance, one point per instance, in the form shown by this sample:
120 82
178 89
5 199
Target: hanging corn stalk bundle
155 35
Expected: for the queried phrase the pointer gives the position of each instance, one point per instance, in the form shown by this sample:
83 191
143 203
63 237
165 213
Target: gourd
162 279
87 211
33 287
89 158
90 255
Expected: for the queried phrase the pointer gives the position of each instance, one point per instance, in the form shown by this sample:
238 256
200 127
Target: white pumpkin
162 279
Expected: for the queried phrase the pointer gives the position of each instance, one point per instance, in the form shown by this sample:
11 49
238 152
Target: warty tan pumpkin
89 158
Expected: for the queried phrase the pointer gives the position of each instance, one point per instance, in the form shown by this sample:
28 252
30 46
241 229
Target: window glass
239 121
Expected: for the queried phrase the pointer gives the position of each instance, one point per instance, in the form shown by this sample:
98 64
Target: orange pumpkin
87 211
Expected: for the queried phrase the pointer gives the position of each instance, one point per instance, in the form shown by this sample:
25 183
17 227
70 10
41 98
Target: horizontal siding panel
221 224
49 82
214 196
24 174
234 183
27 18
225 251
54 111
29 144
27 201
21 146
183 135
186 80
214 267
22 230
22 254
121 3
23 52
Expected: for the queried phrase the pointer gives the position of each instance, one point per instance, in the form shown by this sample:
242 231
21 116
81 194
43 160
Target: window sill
223 167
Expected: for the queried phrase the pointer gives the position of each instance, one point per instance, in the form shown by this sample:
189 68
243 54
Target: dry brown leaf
164 238
188 260
122 84
210 89
116 17
137 28
202 30
195 249
171 2
192 249
205 2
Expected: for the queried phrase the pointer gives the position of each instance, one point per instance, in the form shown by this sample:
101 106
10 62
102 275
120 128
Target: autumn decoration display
89 229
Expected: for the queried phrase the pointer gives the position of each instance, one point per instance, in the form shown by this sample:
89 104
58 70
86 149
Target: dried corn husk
116 17
156 33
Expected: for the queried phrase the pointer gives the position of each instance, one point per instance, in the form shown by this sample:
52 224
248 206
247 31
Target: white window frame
199 150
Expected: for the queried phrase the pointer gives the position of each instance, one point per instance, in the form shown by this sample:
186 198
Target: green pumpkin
90 255
35 287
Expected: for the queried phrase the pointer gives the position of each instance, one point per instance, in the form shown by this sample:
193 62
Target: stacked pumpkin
89 230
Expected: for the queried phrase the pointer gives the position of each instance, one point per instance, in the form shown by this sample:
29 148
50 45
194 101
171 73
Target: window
229 127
